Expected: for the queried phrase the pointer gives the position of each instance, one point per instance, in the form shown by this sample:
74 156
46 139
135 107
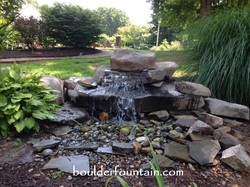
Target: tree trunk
206 7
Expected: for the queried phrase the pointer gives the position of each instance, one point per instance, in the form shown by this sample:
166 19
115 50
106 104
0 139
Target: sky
138 11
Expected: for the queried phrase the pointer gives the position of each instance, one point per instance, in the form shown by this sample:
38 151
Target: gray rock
122 147
163 162
199 127
142 139
231 123
108 150
226 140
173 134
69 114
223 108
69 84
178 151
237 158
60 131
161 115
131 60
198 137
156 144
47 152
88 147
213 121
55 84
184 122
161 70
193 88
204 151
69 164
100 72
87 82
44 144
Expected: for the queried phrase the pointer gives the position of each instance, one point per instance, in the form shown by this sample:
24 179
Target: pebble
47 152
69 178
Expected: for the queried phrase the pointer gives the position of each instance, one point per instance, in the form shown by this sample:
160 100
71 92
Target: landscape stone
161 70
132 60
47 152
226 140
108 150
156 144
204 151
223 108
122 147
161 115
178 151
231 123
198 137
142 139
213 121
69 164
137 147
100 72
69 114
199 127
193 88
146 150
237 158
87 82
163 162
69 84
55 83
185 122
44 144
173 134
60 131
87 147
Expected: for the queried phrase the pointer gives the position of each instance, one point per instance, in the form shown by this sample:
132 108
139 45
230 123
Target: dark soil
56 52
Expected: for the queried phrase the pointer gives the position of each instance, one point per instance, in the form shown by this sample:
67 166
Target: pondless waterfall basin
134 83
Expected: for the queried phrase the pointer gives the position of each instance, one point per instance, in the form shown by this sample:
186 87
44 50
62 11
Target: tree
71 25
8 13
29 29
112 18
178 14
135 36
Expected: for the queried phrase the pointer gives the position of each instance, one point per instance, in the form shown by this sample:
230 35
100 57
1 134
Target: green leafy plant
23 100
57 174
18 142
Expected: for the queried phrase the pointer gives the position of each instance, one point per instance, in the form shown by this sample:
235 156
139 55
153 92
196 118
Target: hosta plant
23 100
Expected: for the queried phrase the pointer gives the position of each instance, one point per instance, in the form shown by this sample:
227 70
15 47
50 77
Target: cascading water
125 85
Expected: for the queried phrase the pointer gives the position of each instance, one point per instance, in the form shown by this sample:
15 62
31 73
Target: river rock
137 147
132 60
237 158
204 151
223 108
213 121
173 134
161 115
55 84
193 88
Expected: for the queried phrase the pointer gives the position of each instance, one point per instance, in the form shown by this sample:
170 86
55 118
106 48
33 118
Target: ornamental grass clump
221 43
23 101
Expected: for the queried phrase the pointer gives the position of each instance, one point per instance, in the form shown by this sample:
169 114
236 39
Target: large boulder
131 60
55 84
223 108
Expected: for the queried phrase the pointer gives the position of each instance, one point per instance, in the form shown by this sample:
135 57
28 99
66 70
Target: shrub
221 43
23 100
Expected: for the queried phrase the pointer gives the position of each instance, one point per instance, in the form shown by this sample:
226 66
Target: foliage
71 25
221 43
18 142
178 14
165 46
57 174
23 100
135 36
65 68
111 19
106 41
29 29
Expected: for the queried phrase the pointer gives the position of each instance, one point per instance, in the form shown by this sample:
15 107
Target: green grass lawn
69 67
